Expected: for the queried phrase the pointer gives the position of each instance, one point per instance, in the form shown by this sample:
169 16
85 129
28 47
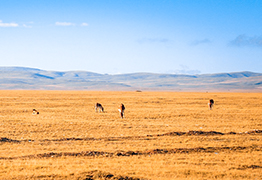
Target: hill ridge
33 78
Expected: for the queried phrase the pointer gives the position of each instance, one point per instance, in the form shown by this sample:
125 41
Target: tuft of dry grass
164 135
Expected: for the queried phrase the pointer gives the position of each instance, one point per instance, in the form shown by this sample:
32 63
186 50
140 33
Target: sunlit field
164 135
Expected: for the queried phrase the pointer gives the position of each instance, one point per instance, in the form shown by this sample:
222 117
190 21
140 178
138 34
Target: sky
129 36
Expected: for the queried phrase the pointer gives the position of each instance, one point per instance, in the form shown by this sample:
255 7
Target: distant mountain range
36 79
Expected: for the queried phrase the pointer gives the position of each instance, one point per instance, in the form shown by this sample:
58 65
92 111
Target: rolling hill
12 78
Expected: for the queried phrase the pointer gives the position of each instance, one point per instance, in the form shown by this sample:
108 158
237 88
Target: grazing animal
122 110
35 112
211 104
99 107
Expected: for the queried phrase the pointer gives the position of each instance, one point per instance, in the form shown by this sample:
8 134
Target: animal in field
35 112
211 104
122 110
99 107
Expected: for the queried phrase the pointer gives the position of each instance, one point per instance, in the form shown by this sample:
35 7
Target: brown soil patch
135 153
178 133
249 167
4 139
245 167
91 175
207 133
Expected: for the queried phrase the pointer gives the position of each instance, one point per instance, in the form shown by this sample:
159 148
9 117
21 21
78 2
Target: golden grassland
164 135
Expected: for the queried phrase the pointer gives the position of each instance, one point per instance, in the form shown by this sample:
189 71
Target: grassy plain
164 135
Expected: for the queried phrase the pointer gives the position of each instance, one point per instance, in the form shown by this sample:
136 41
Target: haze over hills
12 78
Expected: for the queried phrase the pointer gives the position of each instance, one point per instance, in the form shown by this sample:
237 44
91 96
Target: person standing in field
121 110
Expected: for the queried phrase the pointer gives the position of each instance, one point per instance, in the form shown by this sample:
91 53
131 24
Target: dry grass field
164 135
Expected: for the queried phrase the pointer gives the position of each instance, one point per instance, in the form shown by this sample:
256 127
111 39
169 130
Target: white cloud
8 24
26 26
64 24
153 40
198 42
84 24
184 70
243 40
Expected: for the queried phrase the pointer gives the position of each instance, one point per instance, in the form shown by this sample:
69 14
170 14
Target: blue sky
126 36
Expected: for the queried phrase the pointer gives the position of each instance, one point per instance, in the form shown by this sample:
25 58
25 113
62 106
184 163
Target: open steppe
164 135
